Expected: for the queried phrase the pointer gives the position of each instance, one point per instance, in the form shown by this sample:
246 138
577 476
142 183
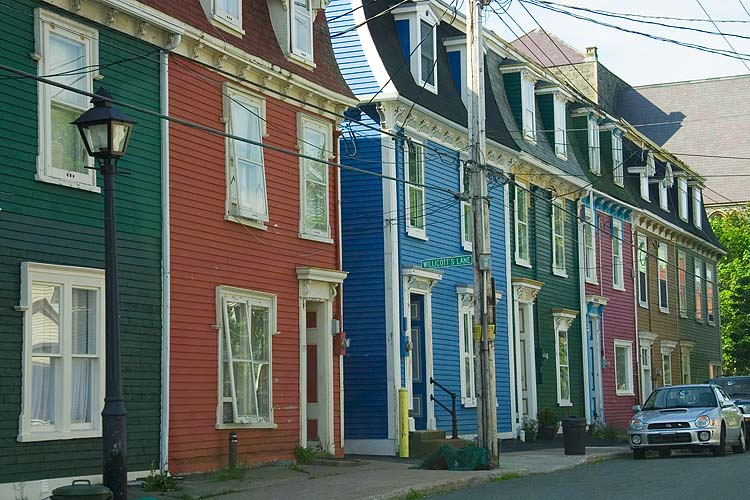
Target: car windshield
681 397
736 387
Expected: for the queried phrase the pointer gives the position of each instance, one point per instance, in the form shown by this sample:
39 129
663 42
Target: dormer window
456 49
416 29
528 104
225 13
561 134
618 175
664 185
594 149
697 207
301 29
682 198
645 173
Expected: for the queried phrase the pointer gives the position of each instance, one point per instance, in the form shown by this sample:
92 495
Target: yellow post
403 423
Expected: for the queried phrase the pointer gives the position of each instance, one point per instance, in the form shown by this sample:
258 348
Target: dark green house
52 250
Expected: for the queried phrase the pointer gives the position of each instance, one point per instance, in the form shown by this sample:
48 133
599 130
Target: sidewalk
369 478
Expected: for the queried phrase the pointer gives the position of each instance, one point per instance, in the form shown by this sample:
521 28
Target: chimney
591 54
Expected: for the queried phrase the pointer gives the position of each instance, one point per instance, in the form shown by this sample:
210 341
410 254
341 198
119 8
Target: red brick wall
208 251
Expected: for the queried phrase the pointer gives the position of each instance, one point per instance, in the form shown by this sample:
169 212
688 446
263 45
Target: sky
636 59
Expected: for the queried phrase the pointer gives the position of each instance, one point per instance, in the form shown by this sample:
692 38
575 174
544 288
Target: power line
644 16
722 34
744 8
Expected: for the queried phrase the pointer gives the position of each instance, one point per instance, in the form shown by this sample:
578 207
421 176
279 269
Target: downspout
634 278
341 291
511 305
165 250
583 309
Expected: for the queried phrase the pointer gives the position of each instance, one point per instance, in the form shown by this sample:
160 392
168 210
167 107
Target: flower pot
547 432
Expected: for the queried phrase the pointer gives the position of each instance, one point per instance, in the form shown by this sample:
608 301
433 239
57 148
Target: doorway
418 366
596 395
319 377
647 384
527 363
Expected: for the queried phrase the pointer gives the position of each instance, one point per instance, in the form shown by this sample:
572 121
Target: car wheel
664 453
639 454
740 446
721 450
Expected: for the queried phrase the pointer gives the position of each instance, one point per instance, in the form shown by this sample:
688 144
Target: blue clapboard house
411 324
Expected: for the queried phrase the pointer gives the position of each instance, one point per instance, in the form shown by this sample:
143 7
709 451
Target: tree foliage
733 230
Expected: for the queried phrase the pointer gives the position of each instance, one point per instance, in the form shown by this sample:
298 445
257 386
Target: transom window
248 318
589 239
468 357
662 276
528 103
618 169
594 149
415 192
624 367
66 49
642 256
618 279
315 142
682 282
63 369
522 224
246 176
302 29
558 237
561 133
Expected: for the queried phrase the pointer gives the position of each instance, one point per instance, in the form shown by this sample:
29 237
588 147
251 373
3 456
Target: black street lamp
106 132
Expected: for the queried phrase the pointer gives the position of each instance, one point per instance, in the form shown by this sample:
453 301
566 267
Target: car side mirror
636 408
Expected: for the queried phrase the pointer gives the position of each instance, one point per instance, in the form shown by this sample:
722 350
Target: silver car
696 417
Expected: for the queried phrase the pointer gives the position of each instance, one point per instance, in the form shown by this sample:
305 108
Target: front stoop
423 443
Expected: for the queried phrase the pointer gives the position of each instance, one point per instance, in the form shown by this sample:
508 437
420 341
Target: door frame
525 292
595 305
645 341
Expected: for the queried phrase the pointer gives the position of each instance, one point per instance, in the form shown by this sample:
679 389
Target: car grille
680 437
670 425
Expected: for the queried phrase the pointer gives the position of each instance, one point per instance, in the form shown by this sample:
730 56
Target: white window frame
251 298
649 171
629 390
682 282
662 265
698 299
304 123
222 18
558 209
234 210
562 328
68 277
594 148
641 256
682 197
47 22
697 207
467 227
618 169
666 367
528 107
687 375
468 387
663 199
618 263
710 295
415 231
521 188
415 13
458 44
560 105
294 37
589 256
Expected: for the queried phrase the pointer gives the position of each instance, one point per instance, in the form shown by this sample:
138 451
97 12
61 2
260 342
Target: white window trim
68 276
467 245
233 210
682 195
458 44
293 51
663 199
45 21
562 322
528 123
268 300
709 285
638 251
594 145
304 122
617 237
590 224
618 169
627 344
698 294
466 304
697 207
414 13
223 20
522 188
685 349
667 355
659 264
558 271
560 106
682 284
415 232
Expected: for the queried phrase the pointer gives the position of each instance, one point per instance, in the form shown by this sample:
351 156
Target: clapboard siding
42 222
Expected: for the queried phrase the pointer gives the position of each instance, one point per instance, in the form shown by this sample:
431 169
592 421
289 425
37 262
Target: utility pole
484 317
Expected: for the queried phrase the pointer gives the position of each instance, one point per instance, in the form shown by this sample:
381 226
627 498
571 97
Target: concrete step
425 435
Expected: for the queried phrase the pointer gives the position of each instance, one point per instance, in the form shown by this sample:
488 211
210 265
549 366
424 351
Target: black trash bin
574 435
82 489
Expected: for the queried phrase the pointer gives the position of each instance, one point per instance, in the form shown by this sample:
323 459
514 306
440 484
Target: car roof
685 386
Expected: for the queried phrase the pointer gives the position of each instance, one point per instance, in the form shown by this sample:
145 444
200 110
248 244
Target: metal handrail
452 411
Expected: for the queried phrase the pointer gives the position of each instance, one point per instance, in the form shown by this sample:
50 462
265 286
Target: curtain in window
316 181
249 175
302 39
45 349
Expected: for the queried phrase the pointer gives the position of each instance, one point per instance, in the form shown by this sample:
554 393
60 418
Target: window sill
427 86
711 323
225 25
560 272
529 139
642 305
564 404
697 320
470 404
31 437
523 263
624 393
683 314
592 281
663 310
619 288
247 426
315 237
467 246
420 234
562 156
239 219
64 182
302 61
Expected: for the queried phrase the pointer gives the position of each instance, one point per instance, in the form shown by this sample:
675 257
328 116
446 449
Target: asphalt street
683 476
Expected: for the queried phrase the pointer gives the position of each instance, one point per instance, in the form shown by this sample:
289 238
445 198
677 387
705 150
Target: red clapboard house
255 316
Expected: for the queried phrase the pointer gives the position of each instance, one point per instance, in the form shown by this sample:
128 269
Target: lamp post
106 132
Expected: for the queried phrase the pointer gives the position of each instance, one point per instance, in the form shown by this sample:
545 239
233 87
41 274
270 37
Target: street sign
459 260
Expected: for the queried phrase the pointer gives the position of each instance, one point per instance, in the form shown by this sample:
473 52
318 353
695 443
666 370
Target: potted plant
529 429
548 424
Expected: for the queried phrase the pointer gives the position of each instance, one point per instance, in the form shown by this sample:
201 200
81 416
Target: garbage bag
449 458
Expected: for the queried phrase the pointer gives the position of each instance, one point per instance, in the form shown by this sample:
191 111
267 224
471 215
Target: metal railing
451 410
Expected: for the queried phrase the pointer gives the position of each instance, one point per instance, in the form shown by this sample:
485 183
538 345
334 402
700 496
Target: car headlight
702 421
636 424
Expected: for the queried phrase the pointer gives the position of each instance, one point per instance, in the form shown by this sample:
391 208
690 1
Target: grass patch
506 477
305 456
160 481
235 473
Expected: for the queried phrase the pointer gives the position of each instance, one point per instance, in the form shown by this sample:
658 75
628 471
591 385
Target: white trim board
38 489
385 447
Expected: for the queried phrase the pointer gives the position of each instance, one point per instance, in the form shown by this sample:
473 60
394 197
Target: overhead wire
724 36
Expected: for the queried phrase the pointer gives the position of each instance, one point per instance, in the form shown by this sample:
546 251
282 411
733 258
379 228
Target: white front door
319 376
595 364
646 383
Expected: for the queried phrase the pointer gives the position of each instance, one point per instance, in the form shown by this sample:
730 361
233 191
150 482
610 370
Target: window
315 142
65 48
563 368
594 150
644 177
528 103
229 11
558 237
618 277
301 29
246 177
63 368
662 276
682 196
681 282
427 53
247 320
666 362
416 28
714 370
589 241
415 194
455 48
697 208
522 225
685 365
561 134
618 175
710 293
468 358
698 290
624 368
467 220
642 254
663 200
646 373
